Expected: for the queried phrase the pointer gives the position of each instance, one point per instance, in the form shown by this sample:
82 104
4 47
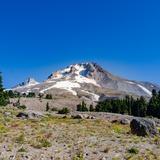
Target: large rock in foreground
143 127
82 116
30 115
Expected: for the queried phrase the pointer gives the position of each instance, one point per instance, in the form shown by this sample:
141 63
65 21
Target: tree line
15 94
139 107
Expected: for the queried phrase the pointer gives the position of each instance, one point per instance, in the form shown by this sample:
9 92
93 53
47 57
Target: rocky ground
58 102
48 136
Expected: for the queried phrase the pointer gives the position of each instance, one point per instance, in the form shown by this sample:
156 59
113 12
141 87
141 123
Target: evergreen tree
154 93
82 107
47 107
64 111
4 98
79 107
153 108
24 95
91 109
115 106
129 104
31 95
40 95
1 83
153 105
49 96
11 94
142 104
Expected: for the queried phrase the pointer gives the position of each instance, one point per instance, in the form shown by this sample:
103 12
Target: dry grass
65 138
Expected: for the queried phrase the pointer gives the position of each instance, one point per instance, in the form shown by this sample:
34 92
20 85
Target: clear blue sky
38 37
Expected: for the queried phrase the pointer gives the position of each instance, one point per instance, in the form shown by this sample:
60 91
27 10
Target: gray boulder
7 114
143 127
34 114
22 115
82 116
30 115
125 121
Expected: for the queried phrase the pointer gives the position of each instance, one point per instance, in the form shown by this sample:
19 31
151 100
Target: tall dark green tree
47 107
11 94
154 93
4 98
142 104
82 107
153 105
91 108
1 82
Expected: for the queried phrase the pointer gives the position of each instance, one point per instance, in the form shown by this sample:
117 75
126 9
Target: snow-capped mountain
87 80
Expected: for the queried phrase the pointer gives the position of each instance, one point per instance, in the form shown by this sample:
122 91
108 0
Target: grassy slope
64 138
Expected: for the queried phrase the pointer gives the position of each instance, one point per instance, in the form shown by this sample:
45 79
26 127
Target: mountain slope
89 81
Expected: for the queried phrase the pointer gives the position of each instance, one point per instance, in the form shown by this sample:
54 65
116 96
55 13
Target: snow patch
81 79
36 88
66 85
130 82
49 81
95 96
145 89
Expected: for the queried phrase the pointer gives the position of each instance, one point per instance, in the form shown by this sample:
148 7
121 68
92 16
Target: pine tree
79 107
47 107
11 94
49 96
142 104
129 104
31 95
91 109
154 93
1 83
84 107
4 98
159 95
152 106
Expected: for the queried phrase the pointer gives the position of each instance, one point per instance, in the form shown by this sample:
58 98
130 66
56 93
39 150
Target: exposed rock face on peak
88 81
88 70
30 82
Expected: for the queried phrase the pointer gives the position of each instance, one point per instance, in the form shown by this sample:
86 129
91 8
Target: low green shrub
64 111
49 96
22 107
133 150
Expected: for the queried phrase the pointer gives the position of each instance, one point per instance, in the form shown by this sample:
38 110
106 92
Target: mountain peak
31 81
86 69
28 82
